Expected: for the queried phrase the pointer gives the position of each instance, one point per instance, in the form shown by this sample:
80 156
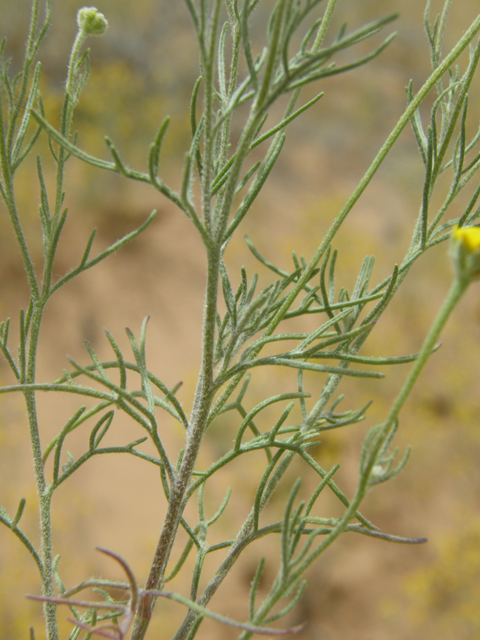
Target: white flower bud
377 472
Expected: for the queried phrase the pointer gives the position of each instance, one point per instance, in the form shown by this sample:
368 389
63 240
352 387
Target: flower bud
377 472
465 252
91 21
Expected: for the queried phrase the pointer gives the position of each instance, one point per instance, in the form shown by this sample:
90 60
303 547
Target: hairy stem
44 494
196 429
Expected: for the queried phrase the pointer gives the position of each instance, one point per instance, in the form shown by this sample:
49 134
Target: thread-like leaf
103 424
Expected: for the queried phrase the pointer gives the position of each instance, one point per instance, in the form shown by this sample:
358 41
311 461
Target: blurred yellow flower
468 236
465 252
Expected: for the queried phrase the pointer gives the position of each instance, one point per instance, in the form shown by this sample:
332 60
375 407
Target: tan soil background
360 589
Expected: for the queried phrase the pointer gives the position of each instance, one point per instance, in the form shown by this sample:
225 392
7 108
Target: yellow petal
469 237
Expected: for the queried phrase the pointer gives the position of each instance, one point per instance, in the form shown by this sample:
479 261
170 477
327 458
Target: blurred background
143 69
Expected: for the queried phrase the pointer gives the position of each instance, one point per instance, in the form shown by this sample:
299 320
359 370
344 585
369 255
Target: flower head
91 21
468 236
465 252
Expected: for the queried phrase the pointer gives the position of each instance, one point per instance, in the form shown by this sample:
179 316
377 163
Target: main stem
196 429
44 494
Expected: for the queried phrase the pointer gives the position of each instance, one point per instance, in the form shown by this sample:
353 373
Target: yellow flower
465 252
468 236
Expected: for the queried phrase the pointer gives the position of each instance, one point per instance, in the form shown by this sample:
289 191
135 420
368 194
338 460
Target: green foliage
243 329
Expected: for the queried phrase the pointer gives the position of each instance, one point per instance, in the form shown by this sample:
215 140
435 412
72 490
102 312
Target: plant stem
327 17
196 429
44 495
457 289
